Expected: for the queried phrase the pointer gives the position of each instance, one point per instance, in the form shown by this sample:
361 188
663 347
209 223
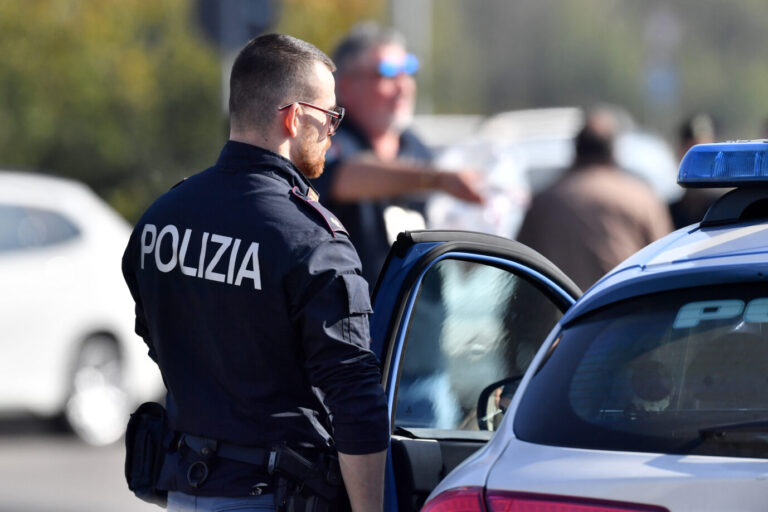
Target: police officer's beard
311 159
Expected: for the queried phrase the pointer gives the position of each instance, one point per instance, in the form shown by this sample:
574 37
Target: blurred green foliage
126 94
121 94
660 59
324 22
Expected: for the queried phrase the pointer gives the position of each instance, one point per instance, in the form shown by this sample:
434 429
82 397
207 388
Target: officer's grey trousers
180 502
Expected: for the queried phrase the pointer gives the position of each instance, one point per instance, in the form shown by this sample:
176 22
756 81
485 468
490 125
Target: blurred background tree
323 22
127 95
123 95
660 59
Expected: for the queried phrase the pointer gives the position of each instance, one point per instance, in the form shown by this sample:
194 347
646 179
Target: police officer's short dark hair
271 70
360 40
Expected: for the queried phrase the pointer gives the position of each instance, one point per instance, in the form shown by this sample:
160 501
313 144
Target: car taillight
504 501
464 499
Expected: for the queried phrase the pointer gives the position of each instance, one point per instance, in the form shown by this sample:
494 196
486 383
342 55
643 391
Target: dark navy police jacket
249 295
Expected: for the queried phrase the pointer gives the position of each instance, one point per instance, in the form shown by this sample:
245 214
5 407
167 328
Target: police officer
249 295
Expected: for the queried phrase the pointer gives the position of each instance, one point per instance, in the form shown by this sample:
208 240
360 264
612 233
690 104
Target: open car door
454 312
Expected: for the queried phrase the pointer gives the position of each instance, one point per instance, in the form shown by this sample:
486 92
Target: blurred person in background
691 207
595 215
377 167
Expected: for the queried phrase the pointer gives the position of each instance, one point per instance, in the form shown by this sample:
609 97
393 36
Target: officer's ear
291 120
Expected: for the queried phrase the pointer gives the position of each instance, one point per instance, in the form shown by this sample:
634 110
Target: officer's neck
281 147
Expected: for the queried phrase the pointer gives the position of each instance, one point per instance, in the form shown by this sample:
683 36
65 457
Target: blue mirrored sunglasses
390 68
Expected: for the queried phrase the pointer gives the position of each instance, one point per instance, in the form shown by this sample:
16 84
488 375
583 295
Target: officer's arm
331 306
334 332
364 480
129 259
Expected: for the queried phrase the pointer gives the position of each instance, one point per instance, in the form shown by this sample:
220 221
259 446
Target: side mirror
493 402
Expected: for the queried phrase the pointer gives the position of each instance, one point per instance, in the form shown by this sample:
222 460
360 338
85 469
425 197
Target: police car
66 318
649 392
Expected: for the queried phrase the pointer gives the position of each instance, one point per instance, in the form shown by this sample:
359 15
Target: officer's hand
465 184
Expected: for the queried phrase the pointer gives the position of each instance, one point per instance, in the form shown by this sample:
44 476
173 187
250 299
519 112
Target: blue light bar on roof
725 164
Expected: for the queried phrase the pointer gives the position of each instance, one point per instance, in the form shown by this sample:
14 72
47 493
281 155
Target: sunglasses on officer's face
336 114
390 68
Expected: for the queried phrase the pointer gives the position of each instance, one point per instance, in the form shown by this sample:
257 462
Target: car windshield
678 372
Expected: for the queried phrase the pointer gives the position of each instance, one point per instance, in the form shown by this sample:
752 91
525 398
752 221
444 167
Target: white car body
58 295
691 483
650 392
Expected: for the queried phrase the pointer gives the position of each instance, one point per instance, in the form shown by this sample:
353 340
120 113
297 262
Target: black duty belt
206 448
320 476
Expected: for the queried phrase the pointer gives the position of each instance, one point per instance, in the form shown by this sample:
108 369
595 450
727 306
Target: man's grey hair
359 41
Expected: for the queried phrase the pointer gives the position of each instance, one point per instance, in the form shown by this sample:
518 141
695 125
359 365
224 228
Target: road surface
42 470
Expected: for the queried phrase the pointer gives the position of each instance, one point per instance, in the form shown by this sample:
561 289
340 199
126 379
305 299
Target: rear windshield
679 372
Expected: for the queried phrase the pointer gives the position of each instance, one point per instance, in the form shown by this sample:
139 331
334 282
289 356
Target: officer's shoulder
322 215
198 177
178 183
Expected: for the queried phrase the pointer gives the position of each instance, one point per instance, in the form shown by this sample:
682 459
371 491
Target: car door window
472 324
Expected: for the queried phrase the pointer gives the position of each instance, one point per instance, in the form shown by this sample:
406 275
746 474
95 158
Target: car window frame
391 381
428 458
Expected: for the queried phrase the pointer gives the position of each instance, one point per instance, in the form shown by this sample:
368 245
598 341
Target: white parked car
66 320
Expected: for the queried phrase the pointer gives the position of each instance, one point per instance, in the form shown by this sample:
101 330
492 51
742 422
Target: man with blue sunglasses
377 170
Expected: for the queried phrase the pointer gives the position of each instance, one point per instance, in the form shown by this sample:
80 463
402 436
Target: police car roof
729 245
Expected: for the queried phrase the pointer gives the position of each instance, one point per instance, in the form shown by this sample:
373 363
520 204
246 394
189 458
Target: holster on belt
302 485
147 438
